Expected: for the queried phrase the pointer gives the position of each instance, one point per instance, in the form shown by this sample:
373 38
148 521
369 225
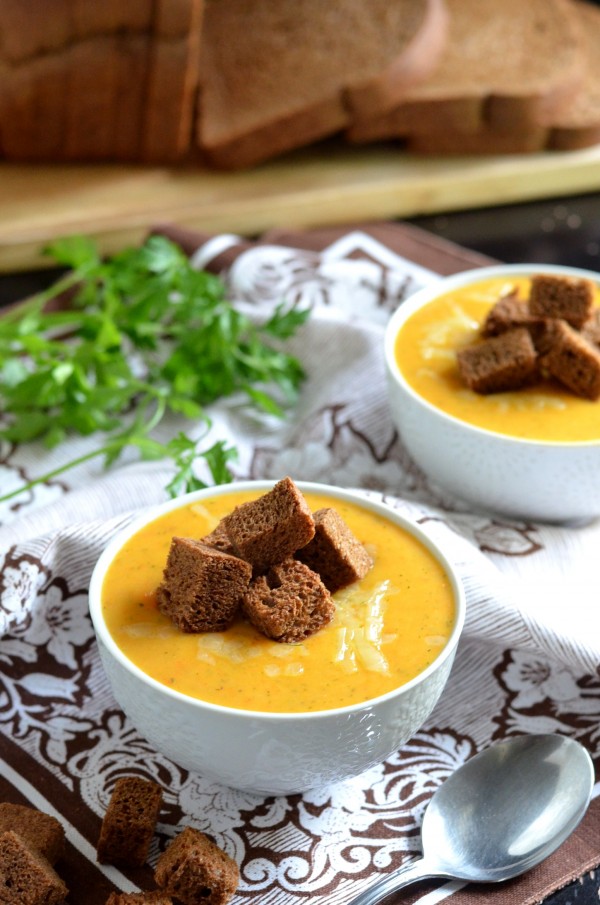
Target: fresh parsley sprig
144 335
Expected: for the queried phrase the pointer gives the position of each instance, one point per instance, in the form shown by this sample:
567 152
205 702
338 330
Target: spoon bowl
504 811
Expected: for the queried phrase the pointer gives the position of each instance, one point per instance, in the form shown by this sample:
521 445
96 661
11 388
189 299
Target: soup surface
387 627
426 349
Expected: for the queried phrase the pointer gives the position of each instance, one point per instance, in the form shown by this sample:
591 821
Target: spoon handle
410 873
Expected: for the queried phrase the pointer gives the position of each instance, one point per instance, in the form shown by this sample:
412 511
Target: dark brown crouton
509 312
573 361
196 871
268 530
129 822
562 297
591 328
289 603
335 553
26 877
505 362
202 587
139 898
219 539
40 831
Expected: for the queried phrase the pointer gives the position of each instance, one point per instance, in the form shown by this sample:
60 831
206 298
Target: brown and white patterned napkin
528 662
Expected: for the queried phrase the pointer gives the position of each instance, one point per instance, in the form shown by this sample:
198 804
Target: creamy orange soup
426 354
387 627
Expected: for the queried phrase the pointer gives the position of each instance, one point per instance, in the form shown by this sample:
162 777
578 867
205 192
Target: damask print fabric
528 661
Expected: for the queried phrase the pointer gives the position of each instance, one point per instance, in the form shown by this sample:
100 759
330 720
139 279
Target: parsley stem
40 299
57 471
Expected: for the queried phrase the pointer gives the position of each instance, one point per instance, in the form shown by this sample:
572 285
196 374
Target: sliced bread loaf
578 124
30 29
508 64
278 75
73 79
172 80
575 125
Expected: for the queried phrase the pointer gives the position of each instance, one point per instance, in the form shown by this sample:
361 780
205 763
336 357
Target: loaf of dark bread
507 65
276 76
232 83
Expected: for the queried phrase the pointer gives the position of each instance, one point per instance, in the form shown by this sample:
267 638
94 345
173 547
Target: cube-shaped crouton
289 603
39 830
219 539
505 362
591 328
26 876
568 298
268 530
335 553
129 822
139 898
573 361
508 312
202 587
196 871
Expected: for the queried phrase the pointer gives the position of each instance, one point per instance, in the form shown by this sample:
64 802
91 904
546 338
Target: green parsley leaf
144 335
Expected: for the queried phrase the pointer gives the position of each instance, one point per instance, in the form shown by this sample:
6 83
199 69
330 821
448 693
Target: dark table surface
556 231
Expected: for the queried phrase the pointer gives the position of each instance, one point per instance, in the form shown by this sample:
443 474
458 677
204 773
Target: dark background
555 231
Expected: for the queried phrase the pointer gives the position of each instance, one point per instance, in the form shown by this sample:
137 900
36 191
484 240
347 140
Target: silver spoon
501 813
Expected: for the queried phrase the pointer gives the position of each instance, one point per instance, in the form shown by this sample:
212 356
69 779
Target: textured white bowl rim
423 296
95 595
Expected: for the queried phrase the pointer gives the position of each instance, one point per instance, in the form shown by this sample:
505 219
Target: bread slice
278 75
109 17
486 140
578 124
30 29
132 68
575 125
77 94
508 65
172 81
91 98
32 108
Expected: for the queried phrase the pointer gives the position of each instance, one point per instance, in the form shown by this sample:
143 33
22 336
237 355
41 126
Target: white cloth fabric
530 652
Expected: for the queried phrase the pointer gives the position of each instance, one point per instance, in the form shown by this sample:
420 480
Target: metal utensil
500 814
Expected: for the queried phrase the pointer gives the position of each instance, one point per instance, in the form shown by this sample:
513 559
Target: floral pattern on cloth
527 663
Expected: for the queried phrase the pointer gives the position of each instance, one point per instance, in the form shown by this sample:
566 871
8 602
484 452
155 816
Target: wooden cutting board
324 185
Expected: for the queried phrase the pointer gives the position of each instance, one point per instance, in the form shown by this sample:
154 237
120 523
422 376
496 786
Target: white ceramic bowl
538 480
272 753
